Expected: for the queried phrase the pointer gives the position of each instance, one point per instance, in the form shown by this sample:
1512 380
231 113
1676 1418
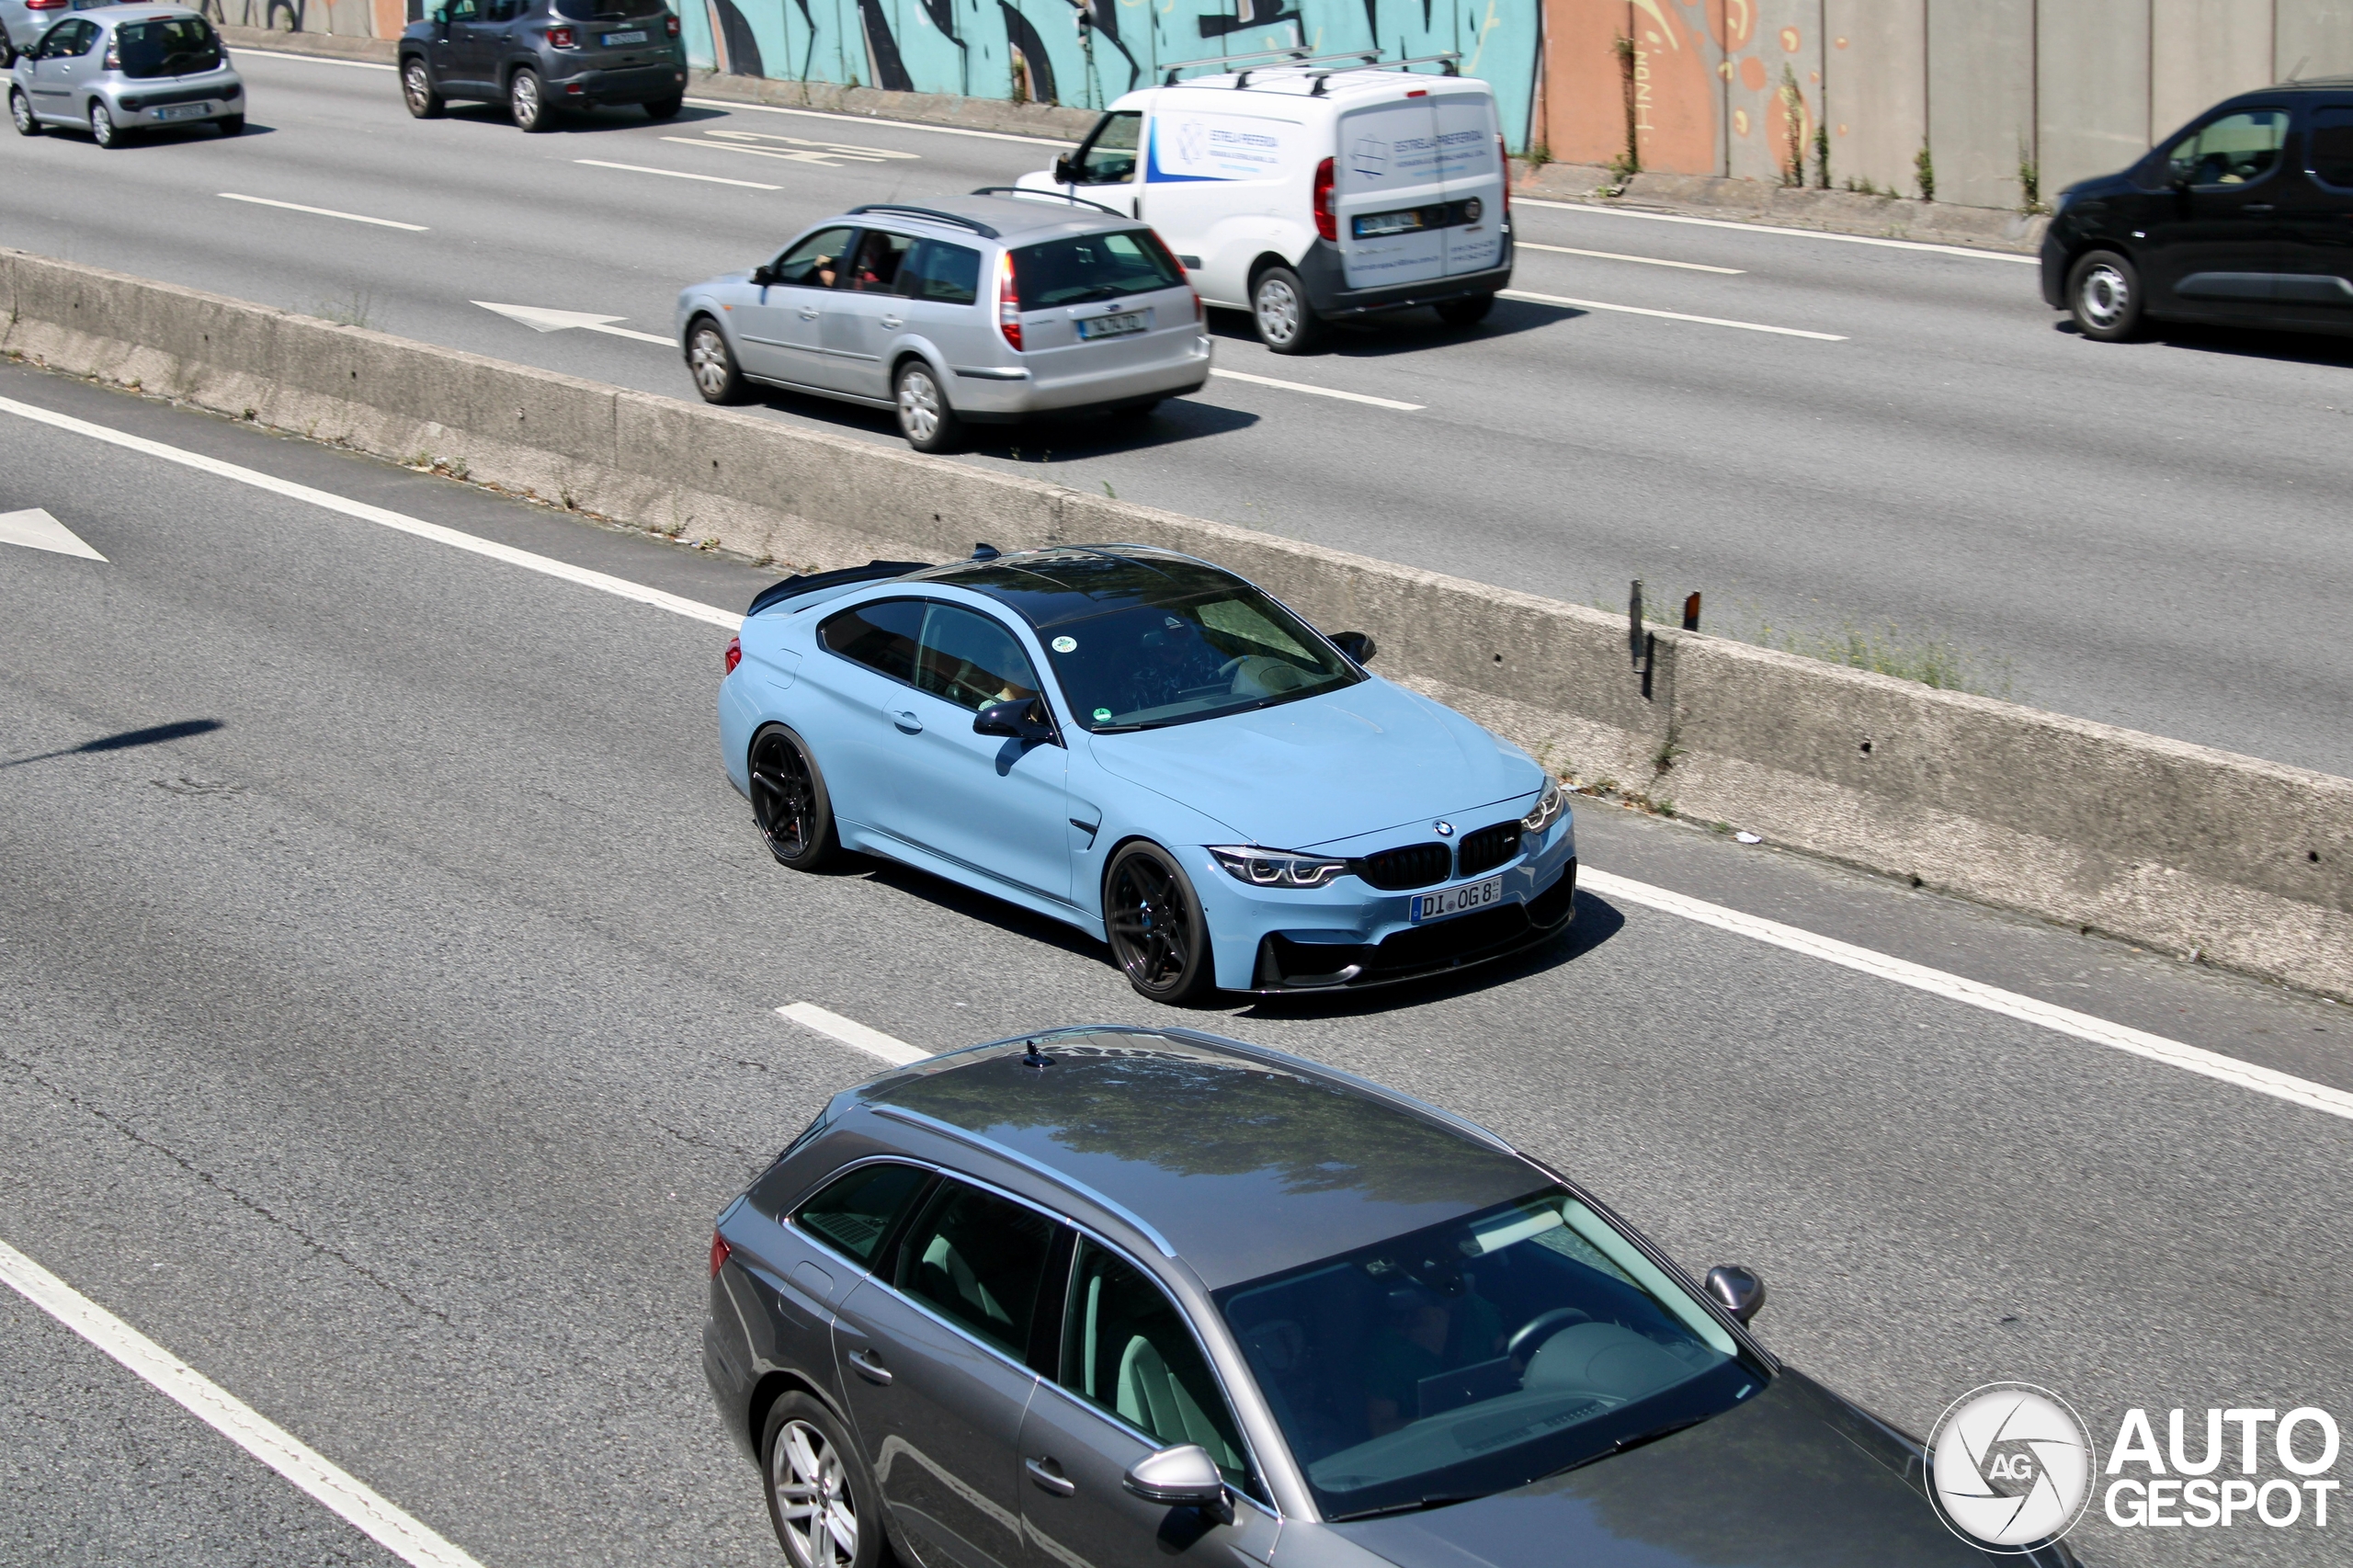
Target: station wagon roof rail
1024 193
934 213
1013 1157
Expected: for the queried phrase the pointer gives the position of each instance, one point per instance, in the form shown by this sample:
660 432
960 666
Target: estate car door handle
869 1368
808 313
907 722
894 322
1048 1474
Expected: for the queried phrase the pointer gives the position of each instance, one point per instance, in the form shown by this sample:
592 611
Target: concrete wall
1981 99
1877 96
2170 845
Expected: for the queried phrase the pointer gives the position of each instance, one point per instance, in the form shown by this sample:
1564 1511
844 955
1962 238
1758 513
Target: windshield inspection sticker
1101 714
1065 644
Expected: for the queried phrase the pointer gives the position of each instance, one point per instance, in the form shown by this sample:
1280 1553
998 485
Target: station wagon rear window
1093 267
174 46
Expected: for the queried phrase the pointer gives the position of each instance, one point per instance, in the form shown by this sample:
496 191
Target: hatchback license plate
183 111
1120 326
1456 901
613 40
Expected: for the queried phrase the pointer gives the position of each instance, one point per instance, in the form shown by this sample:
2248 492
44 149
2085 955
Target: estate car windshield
1478 1356
174 46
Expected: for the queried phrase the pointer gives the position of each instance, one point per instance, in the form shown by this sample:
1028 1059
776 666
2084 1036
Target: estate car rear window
1093 267
936 270
174 46
854 1212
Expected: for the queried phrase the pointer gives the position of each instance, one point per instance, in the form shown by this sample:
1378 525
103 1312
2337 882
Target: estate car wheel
418 92
926 416
102 127
2104 295
711 365
1278 306
1153 919
664 109
527 101
20 110
1466 312
790 801
823 1504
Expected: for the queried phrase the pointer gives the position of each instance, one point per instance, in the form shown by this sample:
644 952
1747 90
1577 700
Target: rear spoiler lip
816 581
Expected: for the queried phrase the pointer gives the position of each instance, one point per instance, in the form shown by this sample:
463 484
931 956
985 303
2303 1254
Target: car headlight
1276 868
1550 806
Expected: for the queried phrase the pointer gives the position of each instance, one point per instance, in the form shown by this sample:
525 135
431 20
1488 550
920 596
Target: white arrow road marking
1668 315
38 530
678 173
813 153
323 212
1319 392
326 1482
835 149
735 108
850 1032
540 320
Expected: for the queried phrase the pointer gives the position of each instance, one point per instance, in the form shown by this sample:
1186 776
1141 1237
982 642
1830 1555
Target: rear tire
1157 933
231 124
790 801
424 101
666 108
103 130
1466 312
926 418
712 364
819 1489
2104 296
527 101
20 110
1278 308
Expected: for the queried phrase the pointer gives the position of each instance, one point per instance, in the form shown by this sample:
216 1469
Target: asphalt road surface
388 980
2151 534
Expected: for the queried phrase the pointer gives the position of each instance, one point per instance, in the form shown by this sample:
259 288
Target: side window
2332 142
464 10
978 1260
876 271
2234 150
501 10
70 39
852 1215
1109 155
972 659
882 636
816 262
1126 1348
937 270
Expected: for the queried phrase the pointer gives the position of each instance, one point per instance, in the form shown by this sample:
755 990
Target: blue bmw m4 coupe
1150 748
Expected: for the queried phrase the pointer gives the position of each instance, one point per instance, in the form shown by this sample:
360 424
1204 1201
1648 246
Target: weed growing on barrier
1883 647
358 310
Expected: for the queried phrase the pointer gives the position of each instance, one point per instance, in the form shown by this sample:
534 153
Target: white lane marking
1992 999
36 529
818 152
316 58
617 586
876 119
326 1482
324 212
678 173
1617 255
1668 315
852 1033
1518 200
1319 392
540 319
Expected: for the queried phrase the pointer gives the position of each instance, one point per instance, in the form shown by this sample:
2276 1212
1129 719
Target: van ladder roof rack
1448 59
1023 191
1168 76
934 213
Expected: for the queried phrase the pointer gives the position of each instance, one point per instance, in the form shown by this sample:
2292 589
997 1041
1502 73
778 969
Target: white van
1306 191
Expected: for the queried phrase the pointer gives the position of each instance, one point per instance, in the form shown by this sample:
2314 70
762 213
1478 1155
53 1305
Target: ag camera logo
2012 1467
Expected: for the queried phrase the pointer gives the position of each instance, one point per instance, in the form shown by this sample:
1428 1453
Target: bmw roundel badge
1445 829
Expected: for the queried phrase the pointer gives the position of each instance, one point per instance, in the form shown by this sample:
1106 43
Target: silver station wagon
984 308
124 68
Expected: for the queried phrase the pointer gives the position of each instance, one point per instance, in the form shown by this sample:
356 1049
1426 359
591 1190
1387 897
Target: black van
2244 218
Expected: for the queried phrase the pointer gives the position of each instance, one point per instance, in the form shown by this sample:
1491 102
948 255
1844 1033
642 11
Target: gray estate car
981 308
123 68
1109 1296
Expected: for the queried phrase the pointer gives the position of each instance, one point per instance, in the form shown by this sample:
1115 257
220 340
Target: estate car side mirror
763 275
1019 719
1740 1291
1357 645
1063 173
1183 1477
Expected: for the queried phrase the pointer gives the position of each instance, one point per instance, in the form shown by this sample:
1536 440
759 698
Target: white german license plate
1120 325
1455 901
183 111
613 40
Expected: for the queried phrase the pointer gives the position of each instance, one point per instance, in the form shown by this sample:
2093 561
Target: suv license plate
1456 901
1120 325
615 39
183 111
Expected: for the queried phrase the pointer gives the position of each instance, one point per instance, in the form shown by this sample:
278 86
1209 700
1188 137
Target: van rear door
1385 181
1471 172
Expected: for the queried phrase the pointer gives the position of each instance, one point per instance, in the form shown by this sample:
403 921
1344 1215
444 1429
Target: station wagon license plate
183 111
613 40
1120 326
1456 901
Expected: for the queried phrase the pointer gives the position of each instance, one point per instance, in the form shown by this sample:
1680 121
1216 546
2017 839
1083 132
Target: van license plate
1456 901
613 40
183 111
1120 326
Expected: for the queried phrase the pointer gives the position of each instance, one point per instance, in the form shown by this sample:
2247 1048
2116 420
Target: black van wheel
2104 296
1279 307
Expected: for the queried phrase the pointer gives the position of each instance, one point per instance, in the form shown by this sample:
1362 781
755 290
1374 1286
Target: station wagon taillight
1008 301
1328 221
561 37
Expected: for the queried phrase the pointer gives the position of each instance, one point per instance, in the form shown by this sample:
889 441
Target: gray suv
985 308
542 57
126 68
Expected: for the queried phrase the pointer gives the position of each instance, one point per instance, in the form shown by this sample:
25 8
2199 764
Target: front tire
664 109
1278 308
527 101
926 416
20 110
825 1507
1156 930
2104 296
790 801
424 101
1469 311
103 130
712 364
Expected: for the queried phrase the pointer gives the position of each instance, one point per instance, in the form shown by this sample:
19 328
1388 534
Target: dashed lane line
677 174
1518 200
316 58
1668 315
1319 392
1620 256
850 1032
324 212
328 1484
732 105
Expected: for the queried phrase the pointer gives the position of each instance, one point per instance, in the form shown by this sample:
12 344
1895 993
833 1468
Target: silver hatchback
984 308
126 68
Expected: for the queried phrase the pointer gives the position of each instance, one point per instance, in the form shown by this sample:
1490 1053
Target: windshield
173 46
1479 1355
1093 267
1180 656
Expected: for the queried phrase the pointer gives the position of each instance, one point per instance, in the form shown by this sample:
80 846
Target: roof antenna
985 552
1033 1057
2297 75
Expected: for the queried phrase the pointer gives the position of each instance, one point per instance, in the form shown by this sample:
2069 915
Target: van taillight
734 654
1503 162
1328 222
1008 301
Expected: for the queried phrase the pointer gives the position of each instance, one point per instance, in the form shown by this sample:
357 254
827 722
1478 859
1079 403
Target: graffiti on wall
1087 53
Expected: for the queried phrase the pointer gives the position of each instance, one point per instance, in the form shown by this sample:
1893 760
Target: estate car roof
1244 1161
1010 220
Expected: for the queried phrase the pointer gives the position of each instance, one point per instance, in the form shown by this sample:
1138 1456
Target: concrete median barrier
2180 847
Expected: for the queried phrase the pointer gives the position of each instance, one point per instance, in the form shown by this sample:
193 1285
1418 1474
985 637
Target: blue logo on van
1370 158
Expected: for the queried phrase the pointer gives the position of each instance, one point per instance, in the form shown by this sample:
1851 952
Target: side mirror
1357 645
1020 718
1182 1477
1738 1290
763 275
1063 173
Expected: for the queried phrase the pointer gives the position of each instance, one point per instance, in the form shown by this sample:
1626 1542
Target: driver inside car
1426 1334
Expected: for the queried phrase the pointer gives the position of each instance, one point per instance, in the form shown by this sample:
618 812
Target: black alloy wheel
2104 296
1278 308
790 801
822 1500
711 365
1468 312
527 101
1154 920
664 109
424 101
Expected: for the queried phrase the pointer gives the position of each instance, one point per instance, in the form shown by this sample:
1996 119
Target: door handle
2260 207
869 1368
894 323
1049 1475
808 313
908 724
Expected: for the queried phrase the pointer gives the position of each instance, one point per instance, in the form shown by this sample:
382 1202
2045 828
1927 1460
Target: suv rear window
611 10
173 47
1093 267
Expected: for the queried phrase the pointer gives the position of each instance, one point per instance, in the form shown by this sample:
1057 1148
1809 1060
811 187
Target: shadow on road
1043 440
594 119
1407 332
156 734
2287 345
